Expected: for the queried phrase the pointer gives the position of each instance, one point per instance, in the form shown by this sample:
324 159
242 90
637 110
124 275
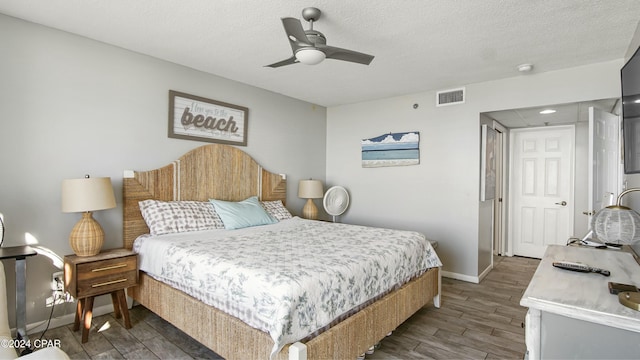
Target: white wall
70 106
440 197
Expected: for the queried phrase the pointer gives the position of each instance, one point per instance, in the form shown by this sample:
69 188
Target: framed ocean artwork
392 149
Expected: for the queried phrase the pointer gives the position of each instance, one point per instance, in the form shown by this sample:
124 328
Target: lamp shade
310 189
617 224
310 56
87 194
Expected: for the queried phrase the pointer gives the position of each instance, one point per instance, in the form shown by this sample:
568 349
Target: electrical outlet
57 281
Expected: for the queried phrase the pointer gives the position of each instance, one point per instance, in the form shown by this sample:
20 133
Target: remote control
573 266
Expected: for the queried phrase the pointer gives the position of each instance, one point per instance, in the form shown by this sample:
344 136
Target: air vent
450 97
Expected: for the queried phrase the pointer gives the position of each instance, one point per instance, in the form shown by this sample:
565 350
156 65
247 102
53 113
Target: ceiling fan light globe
310 56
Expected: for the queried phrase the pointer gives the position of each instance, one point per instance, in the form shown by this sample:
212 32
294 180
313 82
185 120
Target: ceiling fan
310 46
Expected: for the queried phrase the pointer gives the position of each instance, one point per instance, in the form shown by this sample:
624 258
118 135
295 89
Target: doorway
575 114
499 213
604 151
541 184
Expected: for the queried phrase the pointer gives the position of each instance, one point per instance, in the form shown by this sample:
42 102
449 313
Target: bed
227 173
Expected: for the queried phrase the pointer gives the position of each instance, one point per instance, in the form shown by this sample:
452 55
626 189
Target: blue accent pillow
242 214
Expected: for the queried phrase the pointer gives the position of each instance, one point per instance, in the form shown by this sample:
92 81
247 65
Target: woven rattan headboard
210 171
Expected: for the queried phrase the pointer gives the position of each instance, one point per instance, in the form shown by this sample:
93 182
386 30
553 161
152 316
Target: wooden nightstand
86 277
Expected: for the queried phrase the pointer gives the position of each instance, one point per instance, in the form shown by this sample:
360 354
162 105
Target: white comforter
288 279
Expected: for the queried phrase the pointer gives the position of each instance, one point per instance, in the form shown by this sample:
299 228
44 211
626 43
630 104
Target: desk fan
336 201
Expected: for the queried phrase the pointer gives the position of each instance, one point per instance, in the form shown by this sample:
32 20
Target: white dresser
572 315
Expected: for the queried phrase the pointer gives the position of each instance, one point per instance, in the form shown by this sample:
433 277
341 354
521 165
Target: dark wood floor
475 321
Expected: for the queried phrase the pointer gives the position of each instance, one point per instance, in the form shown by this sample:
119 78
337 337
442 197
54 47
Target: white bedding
289 279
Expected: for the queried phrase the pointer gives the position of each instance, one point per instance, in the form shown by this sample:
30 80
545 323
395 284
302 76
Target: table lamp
310 189
617 224
87 195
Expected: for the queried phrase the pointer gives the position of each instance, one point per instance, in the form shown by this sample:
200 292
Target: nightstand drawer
105 268
108 283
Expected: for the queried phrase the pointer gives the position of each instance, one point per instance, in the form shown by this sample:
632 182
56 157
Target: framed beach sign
196 118
392 149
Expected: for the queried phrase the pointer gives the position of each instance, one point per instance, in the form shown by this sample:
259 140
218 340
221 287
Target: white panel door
604 152
541 188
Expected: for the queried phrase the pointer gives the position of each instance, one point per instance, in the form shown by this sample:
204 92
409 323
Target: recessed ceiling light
547 111
525 67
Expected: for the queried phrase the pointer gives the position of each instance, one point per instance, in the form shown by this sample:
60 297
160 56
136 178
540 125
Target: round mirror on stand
336 201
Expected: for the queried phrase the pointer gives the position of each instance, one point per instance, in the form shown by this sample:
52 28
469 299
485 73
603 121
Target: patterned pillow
276 209
167 217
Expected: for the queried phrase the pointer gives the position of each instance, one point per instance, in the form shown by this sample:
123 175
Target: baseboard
64 320
485 272
467 278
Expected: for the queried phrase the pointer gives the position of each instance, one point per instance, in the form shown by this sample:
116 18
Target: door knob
563 203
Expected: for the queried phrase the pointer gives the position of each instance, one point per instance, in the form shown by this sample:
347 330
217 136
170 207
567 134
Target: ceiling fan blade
289 61
333 52
295 33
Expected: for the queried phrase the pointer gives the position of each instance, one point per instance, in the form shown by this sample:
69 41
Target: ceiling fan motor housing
311 14
316 37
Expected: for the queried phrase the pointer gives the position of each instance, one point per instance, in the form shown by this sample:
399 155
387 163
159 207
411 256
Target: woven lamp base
310 210
87 236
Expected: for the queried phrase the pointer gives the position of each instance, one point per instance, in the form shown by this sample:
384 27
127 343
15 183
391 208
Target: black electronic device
613 245
615 288
574 266
591 243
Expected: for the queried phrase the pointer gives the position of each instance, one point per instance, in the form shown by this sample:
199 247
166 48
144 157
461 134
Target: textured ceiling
418 45
565 114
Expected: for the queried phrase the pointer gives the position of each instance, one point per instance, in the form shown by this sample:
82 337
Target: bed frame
227 173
